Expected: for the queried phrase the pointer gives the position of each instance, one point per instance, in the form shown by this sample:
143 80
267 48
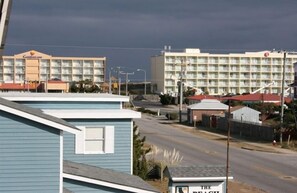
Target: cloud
215 25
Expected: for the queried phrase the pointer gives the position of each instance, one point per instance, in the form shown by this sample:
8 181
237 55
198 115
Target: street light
144 79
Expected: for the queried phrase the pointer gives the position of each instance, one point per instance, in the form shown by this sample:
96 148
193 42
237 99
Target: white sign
203 187
212 187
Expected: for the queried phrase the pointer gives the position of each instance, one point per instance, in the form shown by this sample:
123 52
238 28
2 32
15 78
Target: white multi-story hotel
219 74
37 66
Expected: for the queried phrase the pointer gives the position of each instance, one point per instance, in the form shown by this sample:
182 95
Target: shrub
172 116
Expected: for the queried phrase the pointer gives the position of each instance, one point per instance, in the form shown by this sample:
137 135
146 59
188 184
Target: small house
245 114
196 179
205 106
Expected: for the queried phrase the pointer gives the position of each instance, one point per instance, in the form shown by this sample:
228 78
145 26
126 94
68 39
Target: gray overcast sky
128 32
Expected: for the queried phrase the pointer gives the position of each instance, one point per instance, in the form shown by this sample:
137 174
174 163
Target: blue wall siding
82 187
29 156
71 105
120 160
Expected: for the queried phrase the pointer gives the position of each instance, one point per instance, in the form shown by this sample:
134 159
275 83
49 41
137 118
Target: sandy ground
239 187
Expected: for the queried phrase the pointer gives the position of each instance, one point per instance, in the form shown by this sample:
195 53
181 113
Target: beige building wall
32 70
64 87
158 73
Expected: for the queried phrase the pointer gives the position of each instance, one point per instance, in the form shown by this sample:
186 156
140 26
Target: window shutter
80 141
109 139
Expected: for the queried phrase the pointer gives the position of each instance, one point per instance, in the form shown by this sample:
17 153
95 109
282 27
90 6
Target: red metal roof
16 86
272 98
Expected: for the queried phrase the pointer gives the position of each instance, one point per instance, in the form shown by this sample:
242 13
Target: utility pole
144 80
228 146
119 79
127 76
282 99
183 67
180 98
109 88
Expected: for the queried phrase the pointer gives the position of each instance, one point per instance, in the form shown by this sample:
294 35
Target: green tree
266 109
140 165
84 86
166 99
290 122
73 87
189 92
289 126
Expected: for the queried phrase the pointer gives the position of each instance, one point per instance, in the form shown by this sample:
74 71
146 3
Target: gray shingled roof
209 104
35 112
196 171
106 175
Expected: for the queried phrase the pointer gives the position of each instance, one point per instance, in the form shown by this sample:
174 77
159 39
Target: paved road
272 172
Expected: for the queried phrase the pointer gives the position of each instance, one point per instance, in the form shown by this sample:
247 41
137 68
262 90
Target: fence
242 129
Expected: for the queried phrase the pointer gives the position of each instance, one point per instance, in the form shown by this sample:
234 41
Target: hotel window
88 64
98 64
224 60
66 63
266 61
202 60
7 78
169 59
8 62
19 62
276 61
95 140
77 63
44 63
56 63
255 61
192 60
244 60
98 72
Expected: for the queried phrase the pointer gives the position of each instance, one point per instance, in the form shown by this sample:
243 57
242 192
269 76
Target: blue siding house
82 141
30 149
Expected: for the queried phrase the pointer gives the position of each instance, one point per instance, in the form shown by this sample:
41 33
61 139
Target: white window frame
108 140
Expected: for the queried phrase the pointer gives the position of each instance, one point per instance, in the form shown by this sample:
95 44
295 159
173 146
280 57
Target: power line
137 48
85 47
